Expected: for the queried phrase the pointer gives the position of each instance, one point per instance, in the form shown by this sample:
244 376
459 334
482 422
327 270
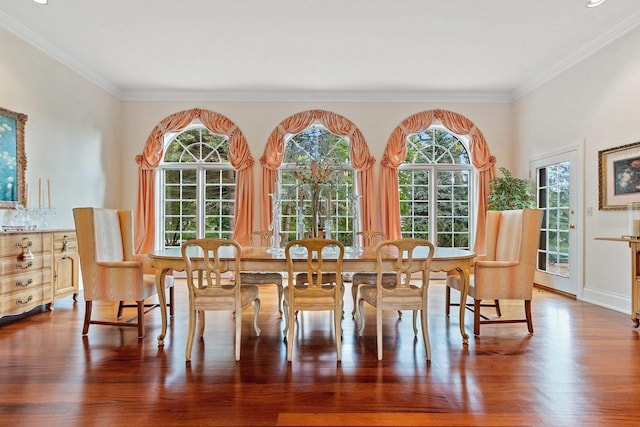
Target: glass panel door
556 197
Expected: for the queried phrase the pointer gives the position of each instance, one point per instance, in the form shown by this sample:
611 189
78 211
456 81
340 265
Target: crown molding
22 32
25 34
623 27
319 96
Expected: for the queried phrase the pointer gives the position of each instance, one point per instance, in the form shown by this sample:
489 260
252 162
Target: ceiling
319 50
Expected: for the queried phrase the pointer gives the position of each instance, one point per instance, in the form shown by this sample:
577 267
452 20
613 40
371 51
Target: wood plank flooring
579 368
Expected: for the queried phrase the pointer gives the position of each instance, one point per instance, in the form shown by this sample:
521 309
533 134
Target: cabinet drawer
13 265
21 302
11 244
65 242
22 282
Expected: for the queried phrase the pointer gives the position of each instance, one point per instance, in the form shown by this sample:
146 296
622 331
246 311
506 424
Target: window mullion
200 202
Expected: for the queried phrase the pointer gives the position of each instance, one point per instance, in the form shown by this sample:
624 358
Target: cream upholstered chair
209 290
262 238
403 294
110 269
369 238
506 270
314 294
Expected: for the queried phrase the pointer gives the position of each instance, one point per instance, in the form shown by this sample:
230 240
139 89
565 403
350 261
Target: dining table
358 260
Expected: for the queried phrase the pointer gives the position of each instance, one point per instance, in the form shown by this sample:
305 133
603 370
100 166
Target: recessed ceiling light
41 1
594 3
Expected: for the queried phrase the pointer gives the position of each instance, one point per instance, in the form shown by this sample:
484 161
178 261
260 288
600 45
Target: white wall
72 131
257 120
595 106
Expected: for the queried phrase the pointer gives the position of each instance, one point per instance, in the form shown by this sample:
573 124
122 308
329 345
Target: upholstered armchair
506 270
110 269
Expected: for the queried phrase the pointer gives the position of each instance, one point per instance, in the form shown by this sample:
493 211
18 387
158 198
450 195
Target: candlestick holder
355 249
276 248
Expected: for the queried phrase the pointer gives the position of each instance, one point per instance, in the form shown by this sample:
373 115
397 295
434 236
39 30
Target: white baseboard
608 300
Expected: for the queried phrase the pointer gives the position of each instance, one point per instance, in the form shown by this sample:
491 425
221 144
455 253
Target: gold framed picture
13 160
619 183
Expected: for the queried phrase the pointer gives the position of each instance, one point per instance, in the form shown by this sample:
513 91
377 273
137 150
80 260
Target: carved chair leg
447 301
87 317
354 295
476 316
498 312
140 305
120 308
171 302
527 311
280 294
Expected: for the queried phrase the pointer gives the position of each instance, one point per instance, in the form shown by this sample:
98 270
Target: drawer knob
23 285
25 245
22 266
20 301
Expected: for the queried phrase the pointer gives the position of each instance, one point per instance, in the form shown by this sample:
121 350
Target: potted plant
509 192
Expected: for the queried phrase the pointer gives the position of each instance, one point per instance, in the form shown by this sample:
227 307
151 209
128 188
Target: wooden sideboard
634 246
36 268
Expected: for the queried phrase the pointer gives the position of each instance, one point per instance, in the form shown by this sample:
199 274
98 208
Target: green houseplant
509 192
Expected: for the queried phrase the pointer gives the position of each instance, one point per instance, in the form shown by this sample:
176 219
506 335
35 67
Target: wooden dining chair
263 238
313 294
403 294
209 290
369 238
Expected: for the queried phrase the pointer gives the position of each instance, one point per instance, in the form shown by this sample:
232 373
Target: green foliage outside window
436 163
199 182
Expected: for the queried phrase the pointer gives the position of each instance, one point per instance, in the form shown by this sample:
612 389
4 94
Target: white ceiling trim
22 32
609 36
318 96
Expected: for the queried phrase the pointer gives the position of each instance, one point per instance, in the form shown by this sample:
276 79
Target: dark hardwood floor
581 367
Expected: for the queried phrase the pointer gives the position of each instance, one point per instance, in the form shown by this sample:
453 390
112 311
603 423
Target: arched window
318 144
435 188
198 186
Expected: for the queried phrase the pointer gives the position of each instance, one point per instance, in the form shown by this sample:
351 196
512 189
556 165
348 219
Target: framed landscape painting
13 161
619 170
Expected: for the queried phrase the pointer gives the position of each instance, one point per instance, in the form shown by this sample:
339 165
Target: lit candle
49 192
39 192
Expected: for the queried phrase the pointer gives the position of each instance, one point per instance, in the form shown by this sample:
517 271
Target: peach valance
361 159
396 151
151 156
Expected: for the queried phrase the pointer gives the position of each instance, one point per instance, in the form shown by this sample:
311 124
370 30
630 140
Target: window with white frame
318 144
198 186
435 183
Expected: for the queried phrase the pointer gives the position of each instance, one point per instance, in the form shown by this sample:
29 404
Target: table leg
161 274
464 292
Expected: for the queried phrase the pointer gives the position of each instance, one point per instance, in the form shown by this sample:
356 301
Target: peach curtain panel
151 156
361 160
396 151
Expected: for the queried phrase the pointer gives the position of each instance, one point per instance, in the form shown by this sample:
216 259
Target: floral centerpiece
315 179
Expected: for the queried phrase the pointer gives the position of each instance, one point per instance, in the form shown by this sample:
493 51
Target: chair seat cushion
372 278
322 297
302 278
149 284
453 281
260 278
409 298
248 294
